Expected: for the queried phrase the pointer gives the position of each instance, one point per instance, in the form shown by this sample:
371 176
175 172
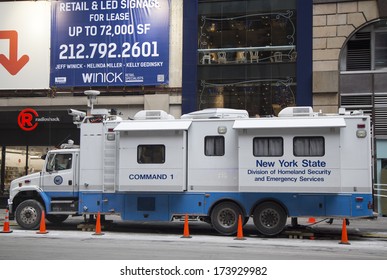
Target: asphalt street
365 227
312 240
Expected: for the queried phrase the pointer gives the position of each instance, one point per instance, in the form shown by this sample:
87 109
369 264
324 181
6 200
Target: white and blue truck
212 165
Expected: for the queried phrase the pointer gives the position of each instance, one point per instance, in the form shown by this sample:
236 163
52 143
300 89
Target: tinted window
268 146
214 146
309 146
150 154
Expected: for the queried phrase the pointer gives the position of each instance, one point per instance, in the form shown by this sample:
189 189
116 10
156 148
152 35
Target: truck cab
54 189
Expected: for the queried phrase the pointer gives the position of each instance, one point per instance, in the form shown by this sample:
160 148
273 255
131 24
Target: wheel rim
29 215
269 218
227 218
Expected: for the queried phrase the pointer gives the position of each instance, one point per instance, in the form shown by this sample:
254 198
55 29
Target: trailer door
153 155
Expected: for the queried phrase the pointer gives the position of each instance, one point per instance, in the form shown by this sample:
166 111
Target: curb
374 235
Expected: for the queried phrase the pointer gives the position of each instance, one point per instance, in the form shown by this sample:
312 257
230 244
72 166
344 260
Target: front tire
224 218
269 218
29 213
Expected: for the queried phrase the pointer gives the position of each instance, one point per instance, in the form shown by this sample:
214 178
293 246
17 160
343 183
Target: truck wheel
28 214
56 219
224 218
269 218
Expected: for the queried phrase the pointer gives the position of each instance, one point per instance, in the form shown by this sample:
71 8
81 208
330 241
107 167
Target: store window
367 49
247 55
363 75
20 161
381 48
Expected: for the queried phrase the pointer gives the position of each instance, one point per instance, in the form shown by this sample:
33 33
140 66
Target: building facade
350 70
244 54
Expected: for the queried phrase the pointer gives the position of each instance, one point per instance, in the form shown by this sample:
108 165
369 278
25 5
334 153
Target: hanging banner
109 43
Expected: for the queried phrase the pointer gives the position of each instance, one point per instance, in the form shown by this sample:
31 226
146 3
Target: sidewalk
368 228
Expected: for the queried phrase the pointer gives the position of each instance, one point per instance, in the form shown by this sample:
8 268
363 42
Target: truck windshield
56 162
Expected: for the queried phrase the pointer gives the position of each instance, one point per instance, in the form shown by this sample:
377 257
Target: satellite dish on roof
92 92
91 97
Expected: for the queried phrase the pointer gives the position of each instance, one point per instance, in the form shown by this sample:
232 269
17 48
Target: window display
20 161
247 56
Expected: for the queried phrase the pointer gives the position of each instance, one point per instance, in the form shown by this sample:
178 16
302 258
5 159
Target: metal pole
26 166
2 186
374 149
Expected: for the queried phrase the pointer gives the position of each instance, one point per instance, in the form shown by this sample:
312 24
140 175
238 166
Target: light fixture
222 129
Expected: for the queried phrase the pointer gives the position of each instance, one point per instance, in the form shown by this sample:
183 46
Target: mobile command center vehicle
212 165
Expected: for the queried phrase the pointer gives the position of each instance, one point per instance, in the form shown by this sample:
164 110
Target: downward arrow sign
12 64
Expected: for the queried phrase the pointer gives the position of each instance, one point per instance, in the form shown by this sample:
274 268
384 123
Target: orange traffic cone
311 220
6 228
98 230
42 228
240 229
344 236
186 228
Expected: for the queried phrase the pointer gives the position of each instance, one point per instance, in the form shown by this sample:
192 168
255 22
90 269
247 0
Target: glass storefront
27 135
20 161
247 55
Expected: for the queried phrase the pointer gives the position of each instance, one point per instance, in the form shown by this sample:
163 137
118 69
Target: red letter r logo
25 119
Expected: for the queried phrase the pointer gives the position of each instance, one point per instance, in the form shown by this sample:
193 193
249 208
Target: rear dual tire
269 218
224 218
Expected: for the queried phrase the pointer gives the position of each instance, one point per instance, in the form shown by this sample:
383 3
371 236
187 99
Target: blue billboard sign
109 43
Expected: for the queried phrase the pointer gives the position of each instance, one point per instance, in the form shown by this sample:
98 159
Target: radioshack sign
24 45
31 127
29 119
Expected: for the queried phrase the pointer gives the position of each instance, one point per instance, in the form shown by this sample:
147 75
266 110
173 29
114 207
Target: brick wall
333 23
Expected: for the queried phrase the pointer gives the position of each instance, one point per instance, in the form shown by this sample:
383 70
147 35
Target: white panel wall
31 22
176 43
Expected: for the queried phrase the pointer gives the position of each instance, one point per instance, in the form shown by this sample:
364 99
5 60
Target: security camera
76 113
77 116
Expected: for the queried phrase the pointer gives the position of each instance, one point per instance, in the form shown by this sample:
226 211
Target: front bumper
10 210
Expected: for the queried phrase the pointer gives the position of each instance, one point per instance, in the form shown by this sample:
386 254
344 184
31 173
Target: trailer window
268 146
150 154
309 146
214 146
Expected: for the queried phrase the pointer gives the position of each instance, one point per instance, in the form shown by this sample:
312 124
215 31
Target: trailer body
212 165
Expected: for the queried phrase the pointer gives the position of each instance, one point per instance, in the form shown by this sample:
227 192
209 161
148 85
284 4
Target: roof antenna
91 97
